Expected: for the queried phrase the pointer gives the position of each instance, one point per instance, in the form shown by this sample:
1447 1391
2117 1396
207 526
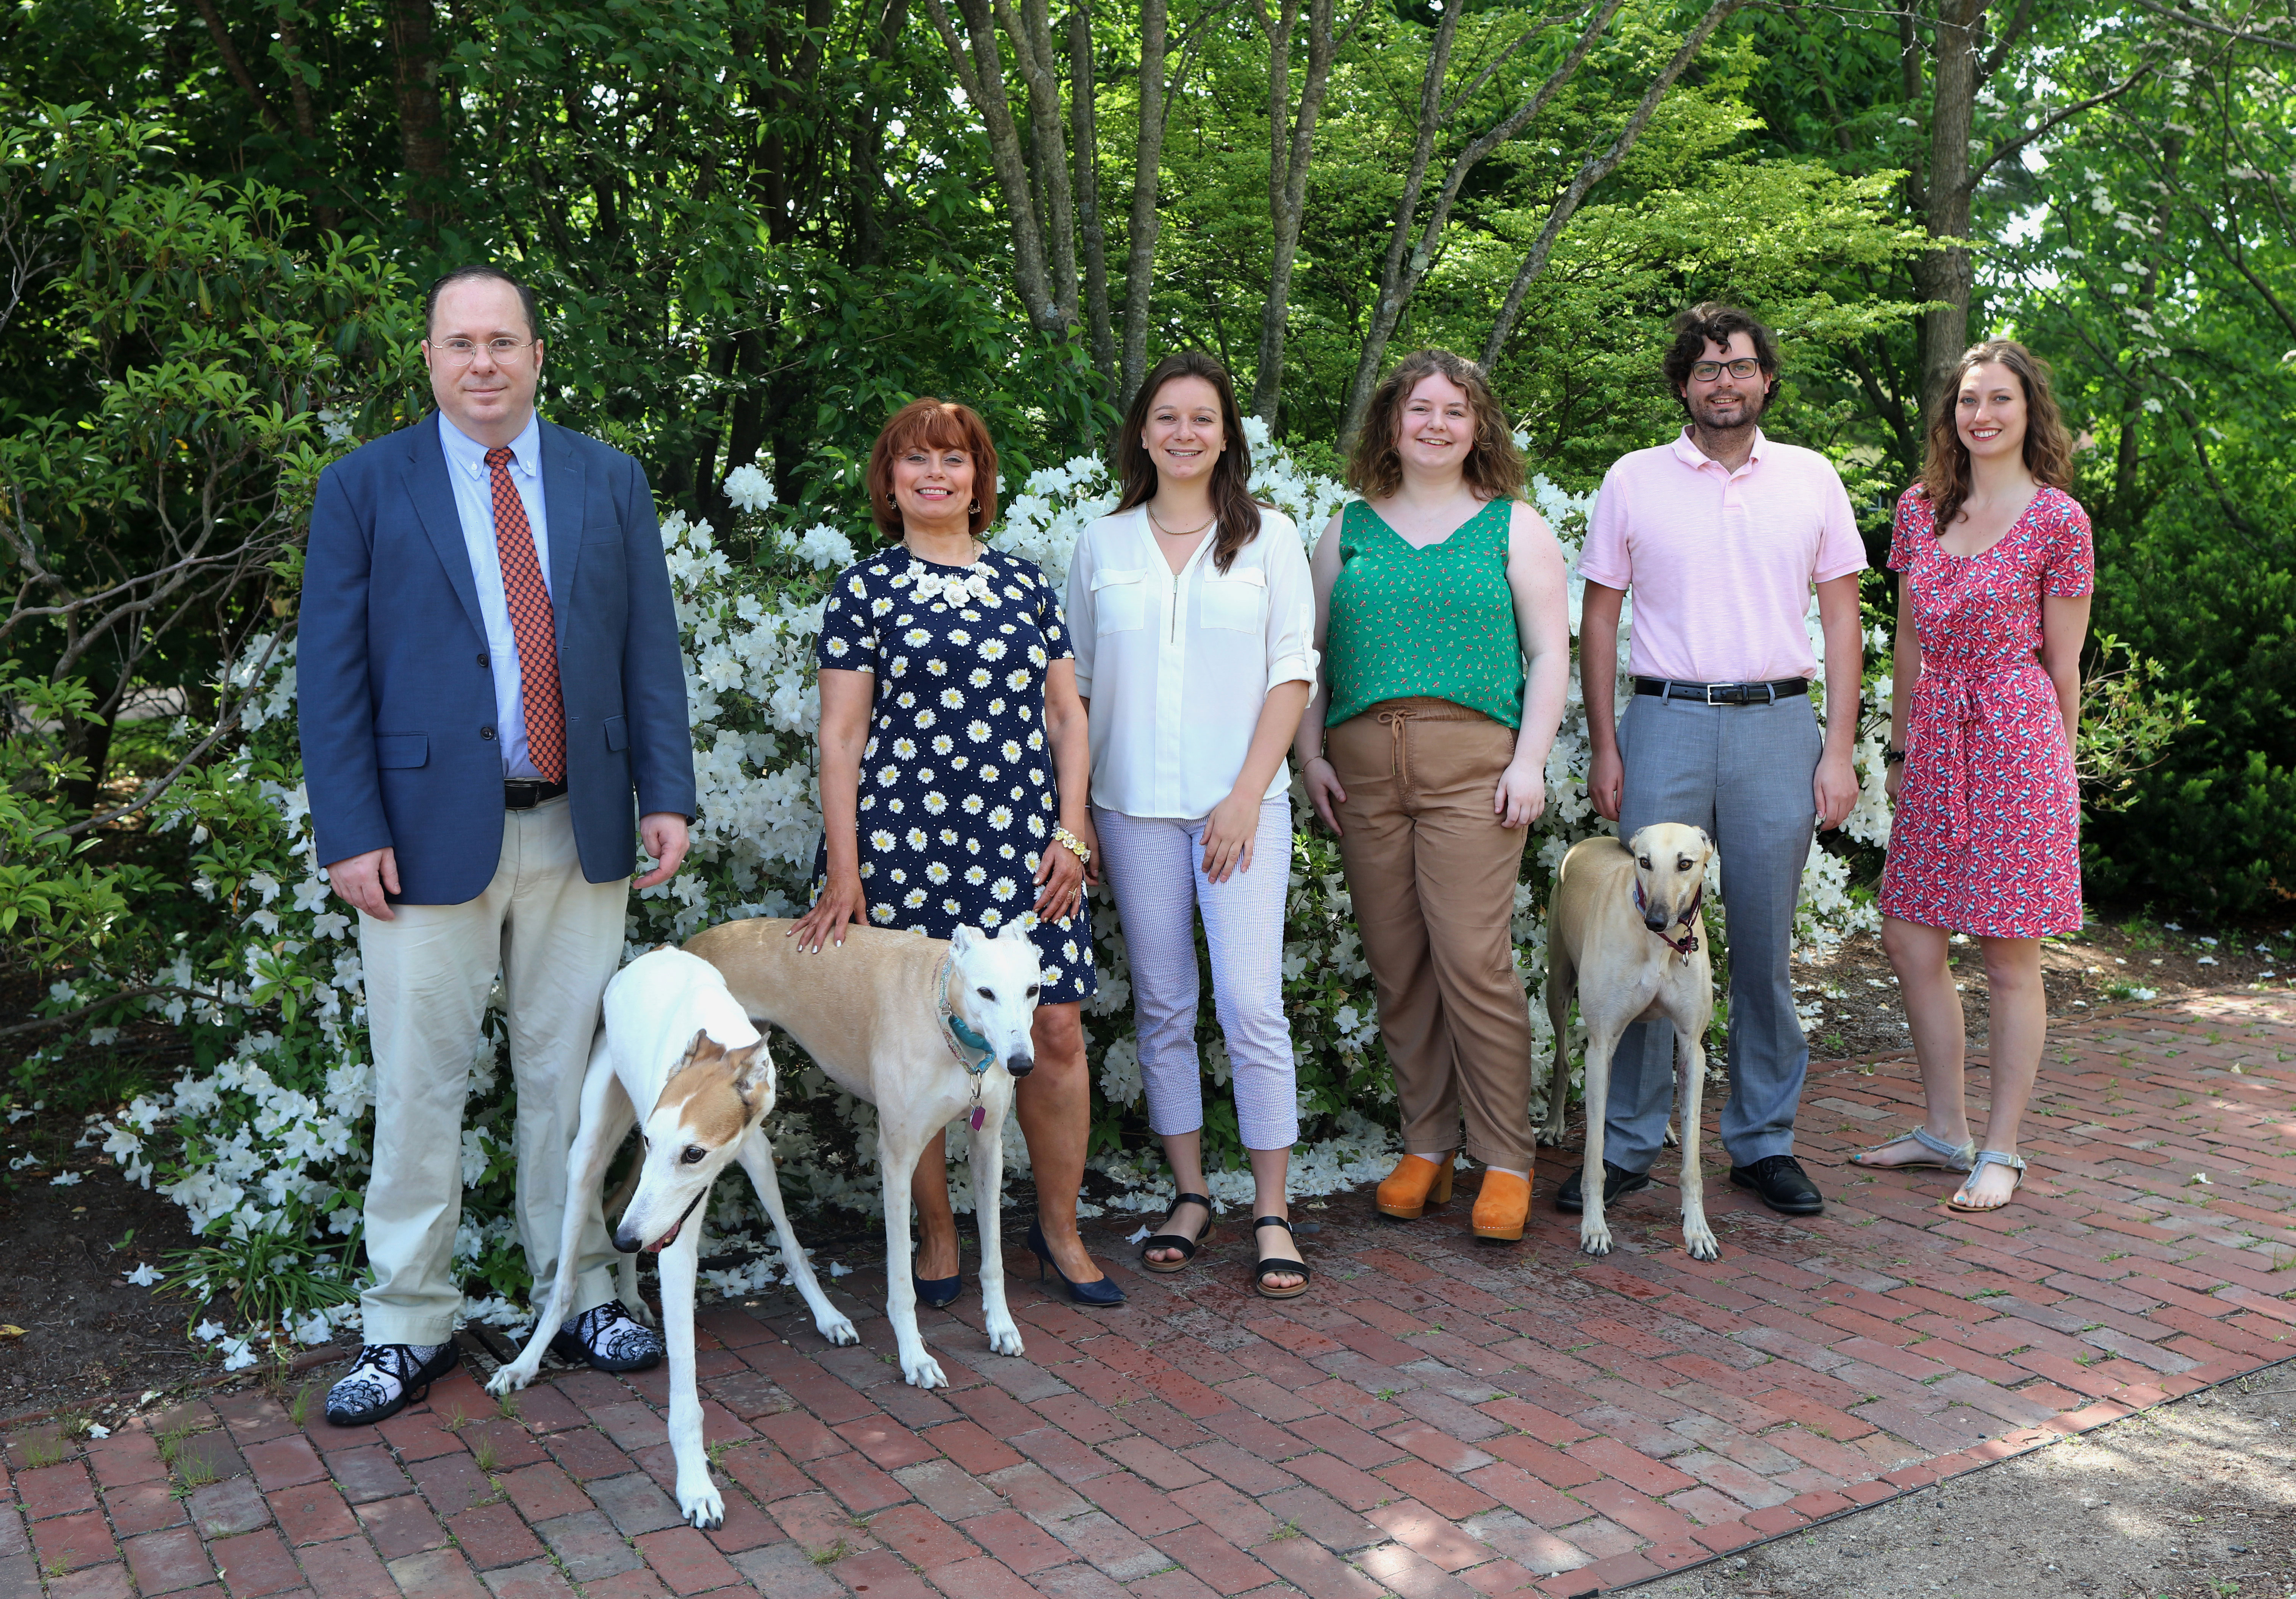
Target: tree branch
2002 151
237 67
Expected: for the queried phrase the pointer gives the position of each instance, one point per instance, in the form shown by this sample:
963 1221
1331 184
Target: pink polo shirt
1721 563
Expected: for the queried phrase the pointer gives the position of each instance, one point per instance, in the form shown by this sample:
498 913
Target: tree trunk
235 64
1031 33
1083 144
422 131
981 74
1148 160
1944 275
1287 176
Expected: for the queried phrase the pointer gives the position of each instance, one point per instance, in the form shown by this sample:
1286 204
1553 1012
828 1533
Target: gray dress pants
1743 773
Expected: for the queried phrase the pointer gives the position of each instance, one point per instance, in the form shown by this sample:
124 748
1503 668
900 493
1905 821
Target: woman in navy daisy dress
955 777
1994 571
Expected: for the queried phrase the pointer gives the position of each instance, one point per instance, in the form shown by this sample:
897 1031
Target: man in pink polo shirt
1721 536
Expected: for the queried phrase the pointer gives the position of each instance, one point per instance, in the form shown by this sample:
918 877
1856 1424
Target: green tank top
1438 622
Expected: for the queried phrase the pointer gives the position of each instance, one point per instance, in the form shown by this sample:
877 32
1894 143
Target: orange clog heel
1416 1182
1502 1206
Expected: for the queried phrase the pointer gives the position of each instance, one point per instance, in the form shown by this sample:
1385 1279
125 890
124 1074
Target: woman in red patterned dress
1995 569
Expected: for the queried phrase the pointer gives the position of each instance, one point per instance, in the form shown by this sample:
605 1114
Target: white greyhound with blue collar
927 1031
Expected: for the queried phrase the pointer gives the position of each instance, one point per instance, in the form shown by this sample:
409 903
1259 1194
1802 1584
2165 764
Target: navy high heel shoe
936 1292
1102 1294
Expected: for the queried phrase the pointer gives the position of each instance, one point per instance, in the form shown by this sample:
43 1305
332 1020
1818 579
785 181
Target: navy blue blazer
397 698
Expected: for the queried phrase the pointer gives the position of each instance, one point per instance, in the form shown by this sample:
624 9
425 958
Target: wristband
1893 757
1074 845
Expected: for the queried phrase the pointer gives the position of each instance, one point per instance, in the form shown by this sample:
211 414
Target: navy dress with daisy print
958 795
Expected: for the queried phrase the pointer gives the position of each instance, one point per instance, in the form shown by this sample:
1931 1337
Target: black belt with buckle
524 793
1724 693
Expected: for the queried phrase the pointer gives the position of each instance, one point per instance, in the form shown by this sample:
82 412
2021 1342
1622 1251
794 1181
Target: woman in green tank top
1446 641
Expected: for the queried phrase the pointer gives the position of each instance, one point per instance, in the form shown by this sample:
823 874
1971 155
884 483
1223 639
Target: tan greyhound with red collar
1625 932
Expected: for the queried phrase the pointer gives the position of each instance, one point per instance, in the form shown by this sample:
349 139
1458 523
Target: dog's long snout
628 1243
1654 919
1020 1065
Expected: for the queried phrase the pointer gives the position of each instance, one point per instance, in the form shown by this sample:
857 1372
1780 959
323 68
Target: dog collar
1686 945
972 1052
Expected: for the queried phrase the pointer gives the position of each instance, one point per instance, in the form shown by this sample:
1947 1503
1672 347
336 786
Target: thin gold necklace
1168 532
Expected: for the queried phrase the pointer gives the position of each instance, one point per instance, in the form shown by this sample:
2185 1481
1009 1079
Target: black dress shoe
611 1339
1618 1182
386 1379
1779 1182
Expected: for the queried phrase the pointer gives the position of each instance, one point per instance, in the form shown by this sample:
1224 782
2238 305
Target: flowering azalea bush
263 1141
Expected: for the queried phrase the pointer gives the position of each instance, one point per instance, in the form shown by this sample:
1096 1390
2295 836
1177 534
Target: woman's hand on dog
842 902
1060 878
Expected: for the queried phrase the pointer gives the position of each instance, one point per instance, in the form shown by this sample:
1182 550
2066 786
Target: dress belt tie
1965 699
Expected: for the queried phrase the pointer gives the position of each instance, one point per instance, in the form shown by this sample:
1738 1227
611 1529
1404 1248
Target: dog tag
979 1115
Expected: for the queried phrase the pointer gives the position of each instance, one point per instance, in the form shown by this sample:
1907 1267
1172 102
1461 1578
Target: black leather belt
1724 693
524 793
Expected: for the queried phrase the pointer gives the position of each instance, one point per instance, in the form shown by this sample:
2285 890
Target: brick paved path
1439 1418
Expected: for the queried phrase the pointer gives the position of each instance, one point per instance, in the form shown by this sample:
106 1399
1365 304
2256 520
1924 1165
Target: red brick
684 1560
346 1569
493 1536
284 1462
73 1541
313 1513
166 1562
970 1447
256 1563
917 1536
1017 1541
980 1578
1637 1470
55 1490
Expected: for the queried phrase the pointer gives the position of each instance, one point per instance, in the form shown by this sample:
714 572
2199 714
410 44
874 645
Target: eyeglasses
462 351
1706 371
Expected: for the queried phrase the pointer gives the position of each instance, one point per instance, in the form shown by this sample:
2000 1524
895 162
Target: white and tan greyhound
925 1030
676 1042
1626 931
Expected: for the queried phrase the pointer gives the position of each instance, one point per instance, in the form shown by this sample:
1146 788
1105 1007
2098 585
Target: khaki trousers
555 938
1433 873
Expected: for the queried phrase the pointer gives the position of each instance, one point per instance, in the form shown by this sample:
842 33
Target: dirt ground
2192 1500
2109 963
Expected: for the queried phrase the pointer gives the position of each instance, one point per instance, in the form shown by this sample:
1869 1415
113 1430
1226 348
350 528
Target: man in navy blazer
490 690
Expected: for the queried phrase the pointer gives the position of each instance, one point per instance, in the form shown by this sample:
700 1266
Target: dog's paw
642 1311
1595 1237
1004 1339
923 1370
837 1330
509 1378
1698 1238
704 1507
1550 1132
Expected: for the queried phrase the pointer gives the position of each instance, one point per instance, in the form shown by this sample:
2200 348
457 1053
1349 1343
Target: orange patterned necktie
531 620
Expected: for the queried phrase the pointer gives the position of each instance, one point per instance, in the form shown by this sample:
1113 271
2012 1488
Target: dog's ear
702 1042
962 940
753 1073
1704 839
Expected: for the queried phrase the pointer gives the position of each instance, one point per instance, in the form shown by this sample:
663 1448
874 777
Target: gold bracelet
1074 845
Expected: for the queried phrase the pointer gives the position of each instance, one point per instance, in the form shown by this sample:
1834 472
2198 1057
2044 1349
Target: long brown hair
1494 467
938 424
1231 487
2048 445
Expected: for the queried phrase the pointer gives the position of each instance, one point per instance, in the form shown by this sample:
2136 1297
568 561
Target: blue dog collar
963 1042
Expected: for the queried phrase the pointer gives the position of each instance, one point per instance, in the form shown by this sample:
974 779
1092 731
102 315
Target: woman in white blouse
1193 619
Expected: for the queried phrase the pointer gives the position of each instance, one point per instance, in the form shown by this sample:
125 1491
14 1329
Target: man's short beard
1757 403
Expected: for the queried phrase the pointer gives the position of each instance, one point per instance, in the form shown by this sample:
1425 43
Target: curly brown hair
936 424
1494 467
2048 443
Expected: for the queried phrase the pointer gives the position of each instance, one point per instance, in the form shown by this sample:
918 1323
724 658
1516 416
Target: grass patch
830 1556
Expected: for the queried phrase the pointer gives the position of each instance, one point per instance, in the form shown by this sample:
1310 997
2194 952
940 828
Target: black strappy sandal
1270 1264
1173 1240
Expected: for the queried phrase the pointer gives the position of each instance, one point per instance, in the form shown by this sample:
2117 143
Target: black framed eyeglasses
1745 366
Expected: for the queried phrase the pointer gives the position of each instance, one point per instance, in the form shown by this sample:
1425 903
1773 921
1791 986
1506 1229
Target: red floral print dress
1986 839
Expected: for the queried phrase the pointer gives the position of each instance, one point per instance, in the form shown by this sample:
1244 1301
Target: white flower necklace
970 582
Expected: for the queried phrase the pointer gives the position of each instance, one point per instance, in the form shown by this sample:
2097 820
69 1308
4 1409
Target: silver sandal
1985 1158
1948 1157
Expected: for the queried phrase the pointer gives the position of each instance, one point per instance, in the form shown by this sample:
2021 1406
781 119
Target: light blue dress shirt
474 499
